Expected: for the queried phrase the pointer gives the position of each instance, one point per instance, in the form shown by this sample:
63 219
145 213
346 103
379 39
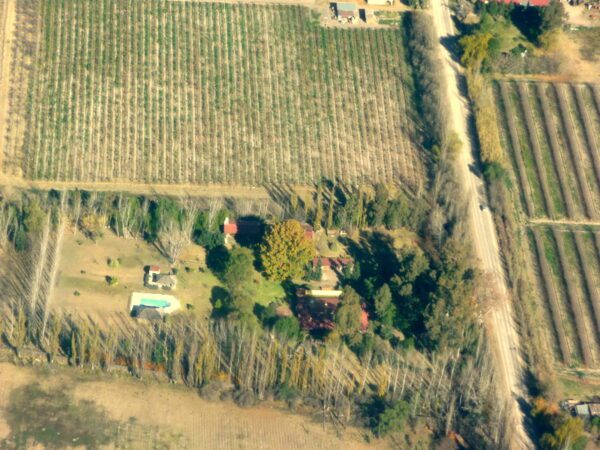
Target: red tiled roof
154 269
539 2
319 314
364 321
230 228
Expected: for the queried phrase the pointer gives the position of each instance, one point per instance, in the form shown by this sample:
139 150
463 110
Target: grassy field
82 287
186 92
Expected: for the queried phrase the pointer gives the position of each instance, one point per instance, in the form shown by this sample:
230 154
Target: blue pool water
154 303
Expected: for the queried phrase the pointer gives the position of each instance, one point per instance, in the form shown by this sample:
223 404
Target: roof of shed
346 6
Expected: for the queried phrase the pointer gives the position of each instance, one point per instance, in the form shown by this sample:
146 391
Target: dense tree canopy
347 316
286 251
238 279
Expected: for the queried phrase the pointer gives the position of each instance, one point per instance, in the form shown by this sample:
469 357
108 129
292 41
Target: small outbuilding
346 12
154 279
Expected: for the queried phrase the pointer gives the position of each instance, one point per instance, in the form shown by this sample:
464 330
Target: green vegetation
52 419
557 428
429 84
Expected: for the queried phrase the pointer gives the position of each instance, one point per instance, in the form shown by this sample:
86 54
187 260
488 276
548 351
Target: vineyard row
552 132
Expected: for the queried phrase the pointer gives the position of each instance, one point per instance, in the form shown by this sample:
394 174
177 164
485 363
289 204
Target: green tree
569 435
288 328
238 279
552 17
378 207
392 418
318 221
34 217
385 310
347 316
452 308
286 251
474 50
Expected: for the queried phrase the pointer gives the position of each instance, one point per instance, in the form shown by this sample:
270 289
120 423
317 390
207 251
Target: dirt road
500 322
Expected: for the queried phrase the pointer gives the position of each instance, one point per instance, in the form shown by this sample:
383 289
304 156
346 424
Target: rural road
500 323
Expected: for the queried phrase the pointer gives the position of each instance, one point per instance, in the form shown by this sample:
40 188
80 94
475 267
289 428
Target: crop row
568 272
552 133
186 92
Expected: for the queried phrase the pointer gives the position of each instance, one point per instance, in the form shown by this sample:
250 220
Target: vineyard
186 92
567 268
551 133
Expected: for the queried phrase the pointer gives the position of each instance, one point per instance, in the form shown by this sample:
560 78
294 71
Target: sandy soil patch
11 377
579 15
179 411
7 19
213 425
575 66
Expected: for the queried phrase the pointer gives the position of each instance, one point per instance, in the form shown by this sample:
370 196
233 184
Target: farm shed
346 11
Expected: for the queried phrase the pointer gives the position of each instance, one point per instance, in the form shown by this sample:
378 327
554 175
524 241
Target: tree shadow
218 300
528 20
376 259
216 260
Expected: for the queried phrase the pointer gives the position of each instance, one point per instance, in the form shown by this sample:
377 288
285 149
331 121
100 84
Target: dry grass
164 416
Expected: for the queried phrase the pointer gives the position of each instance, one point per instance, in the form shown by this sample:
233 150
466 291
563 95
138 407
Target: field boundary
6 32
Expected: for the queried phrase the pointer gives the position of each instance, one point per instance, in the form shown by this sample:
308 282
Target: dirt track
178 190
7 18
500 322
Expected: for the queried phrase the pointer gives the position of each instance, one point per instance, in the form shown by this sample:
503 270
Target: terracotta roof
309 232
230 228
243 227
154 269
319 314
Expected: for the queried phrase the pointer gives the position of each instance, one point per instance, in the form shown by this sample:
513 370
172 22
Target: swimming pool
154 303
166 304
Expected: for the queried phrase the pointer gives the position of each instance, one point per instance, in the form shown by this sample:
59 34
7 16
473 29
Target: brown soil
11 377
180 411
178 190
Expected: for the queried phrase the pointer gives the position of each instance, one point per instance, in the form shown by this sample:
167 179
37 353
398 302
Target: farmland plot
553 145
568 271
186 92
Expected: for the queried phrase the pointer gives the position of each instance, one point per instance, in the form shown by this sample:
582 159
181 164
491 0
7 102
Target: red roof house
332 262
318 313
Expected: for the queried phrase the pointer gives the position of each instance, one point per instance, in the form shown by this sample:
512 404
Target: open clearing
184 92
84 267
151 415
